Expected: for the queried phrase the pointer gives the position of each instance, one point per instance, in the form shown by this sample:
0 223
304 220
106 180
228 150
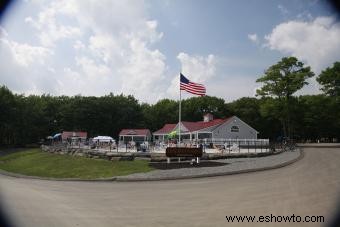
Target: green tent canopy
172 134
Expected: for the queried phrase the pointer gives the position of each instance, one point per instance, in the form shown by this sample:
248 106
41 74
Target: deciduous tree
330 80
281 81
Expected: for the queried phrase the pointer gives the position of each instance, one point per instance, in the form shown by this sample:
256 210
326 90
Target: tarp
103 139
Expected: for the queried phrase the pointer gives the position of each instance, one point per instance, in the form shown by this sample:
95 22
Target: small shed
136 135
67 135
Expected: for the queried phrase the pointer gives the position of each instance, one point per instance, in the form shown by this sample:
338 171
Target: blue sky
138 47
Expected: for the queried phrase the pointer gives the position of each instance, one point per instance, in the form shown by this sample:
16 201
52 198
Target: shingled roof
199 125
134 132
167 128
192 126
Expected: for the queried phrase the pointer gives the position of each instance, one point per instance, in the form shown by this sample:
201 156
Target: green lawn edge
34 162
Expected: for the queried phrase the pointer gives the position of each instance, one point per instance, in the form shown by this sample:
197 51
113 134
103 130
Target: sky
136 47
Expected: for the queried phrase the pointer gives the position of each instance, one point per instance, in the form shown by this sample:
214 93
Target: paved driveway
310 186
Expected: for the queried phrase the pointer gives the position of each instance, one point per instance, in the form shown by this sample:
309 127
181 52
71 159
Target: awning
103 139
56 135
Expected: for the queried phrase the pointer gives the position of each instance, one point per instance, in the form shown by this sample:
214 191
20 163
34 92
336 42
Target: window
234 129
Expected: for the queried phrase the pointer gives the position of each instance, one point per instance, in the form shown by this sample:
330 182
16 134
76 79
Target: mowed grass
34 162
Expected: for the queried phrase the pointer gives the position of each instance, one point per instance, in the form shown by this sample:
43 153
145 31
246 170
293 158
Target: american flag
191 87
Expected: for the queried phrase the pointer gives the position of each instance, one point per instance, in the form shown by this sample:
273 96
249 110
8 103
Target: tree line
275 112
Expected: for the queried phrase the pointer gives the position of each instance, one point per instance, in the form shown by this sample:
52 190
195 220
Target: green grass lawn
34 162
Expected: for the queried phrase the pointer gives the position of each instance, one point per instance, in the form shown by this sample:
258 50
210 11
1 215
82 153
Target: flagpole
180 109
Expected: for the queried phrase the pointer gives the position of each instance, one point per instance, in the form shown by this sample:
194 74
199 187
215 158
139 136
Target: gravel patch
213 167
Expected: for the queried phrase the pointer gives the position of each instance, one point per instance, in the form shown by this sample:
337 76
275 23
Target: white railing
241 142
208 145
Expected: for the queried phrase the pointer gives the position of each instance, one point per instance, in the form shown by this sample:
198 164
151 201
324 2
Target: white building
136 135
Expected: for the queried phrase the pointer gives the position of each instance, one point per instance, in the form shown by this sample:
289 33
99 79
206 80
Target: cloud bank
316 42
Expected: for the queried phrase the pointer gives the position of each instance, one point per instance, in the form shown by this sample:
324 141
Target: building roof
199 125
167 128
135 132
192 126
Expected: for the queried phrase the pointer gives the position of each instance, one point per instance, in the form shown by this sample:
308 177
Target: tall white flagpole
180 109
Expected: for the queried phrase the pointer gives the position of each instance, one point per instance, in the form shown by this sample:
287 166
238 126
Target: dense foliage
281 81
330 80
28 119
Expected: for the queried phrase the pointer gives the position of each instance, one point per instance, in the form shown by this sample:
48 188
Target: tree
330 80
164 111
319 117
194 108
8 115
281 81
249 110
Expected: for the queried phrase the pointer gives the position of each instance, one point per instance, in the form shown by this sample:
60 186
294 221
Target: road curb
315 146
124 179
18 175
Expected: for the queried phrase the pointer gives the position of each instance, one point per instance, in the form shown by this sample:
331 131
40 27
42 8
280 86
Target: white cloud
87 78
305 15
50 29
234 86
24 67
25 54
143 71
3 32
96 49
316 42
253 37
284 11
89 67
103 46
214 72
200 68
79 45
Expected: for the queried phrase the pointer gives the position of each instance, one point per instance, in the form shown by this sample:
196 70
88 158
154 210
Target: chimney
208 117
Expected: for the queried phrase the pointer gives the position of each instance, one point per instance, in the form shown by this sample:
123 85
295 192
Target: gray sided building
209 128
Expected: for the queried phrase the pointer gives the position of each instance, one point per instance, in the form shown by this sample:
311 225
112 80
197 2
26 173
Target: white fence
208 146
241 142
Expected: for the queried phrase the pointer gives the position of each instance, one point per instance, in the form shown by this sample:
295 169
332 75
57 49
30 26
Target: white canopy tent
103 139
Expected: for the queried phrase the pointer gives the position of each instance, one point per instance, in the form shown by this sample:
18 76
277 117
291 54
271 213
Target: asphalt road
310 186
